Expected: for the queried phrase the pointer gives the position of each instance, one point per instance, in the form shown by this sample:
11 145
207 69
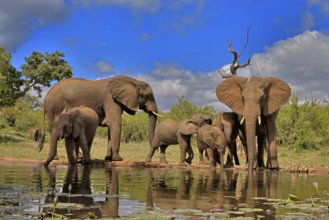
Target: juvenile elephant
252 98
212 139
171 132
108 98
77 126
229 123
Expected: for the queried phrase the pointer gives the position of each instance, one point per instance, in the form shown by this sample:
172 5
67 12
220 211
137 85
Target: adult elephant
170 132
108 98
252 98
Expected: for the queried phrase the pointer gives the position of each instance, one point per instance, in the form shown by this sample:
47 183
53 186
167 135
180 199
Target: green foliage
10 80
134 127
304 125
39 70
22 116
184 109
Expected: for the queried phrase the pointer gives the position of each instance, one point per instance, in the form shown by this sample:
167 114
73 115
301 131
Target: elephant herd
75 107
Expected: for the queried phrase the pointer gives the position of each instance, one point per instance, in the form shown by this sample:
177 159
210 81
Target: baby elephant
171 132
77 126
212 139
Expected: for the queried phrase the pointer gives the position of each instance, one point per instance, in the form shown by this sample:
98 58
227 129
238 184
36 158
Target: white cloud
103 67
135 5
170 82
302 61
18 20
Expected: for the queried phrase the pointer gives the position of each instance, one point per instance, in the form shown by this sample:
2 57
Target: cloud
140 5
302 61
170 82
103 67
18 20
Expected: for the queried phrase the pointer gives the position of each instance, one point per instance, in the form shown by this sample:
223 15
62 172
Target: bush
303 125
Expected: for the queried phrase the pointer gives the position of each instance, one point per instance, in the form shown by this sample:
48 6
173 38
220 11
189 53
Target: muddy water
28 191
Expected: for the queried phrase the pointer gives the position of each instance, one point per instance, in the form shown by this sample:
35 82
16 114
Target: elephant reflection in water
111 206
166 196
207 190
80 187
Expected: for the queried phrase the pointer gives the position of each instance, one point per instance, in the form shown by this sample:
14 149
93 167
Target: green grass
25 148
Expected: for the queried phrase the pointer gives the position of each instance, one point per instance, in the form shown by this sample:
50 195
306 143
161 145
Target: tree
184 109
38 72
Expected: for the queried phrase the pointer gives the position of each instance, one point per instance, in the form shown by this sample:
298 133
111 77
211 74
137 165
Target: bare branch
235 63
246 43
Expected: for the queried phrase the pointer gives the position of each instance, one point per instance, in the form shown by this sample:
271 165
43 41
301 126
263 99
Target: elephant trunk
151 126
251 139
53 147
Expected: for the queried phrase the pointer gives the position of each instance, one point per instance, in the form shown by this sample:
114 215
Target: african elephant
171 132
77 126
229 123
108 98
252 98
212 139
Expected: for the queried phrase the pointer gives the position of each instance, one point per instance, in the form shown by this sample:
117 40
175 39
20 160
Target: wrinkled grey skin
170 132
229 123
77 126
252 98
212 140
109 98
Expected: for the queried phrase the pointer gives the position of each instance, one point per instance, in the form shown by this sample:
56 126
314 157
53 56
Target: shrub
303 125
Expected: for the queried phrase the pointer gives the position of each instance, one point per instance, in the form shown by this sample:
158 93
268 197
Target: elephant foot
117 157
56 157
182 164
273 165
189 161
163 160
108 157
148 159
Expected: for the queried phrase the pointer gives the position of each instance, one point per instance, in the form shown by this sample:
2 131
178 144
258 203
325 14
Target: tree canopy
39 71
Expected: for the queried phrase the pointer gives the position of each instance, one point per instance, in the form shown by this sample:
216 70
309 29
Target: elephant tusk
241 120
259 120
157 114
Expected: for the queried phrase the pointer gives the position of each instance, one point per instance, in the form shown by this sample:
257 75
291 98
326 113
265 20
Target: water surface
29 191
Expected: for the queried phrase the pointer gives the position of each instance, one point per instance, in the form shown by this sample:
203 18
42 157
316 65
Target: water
28 191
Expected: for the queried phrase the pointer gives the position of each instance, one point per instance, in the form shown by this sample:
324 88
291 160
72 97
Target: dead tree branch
235 63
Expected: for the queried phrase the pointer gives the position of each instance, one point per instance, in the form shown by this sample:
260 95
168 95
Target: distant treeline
301 125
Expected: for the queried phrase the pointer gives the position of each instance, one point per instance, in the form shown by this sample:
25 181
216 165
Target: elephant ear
230 93
188 127
78 125
123 89
278 93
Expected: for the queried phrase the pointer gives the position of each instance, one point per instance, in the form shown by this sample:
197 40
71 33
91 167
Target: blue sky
176 45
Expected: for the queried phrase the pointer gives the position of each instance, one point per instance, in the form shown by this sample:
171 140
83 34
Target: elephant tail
39 135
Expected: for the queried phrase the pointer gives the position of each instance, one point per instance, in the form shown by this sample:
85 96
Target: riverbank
134 156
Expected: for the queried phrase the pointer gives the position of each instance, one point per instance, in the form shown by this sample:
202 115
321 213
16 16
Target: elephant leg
261 142
85 150
190 153
221 157
163 153
229 158
151 153
115 133
272 154
210 153
70 147
183 147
